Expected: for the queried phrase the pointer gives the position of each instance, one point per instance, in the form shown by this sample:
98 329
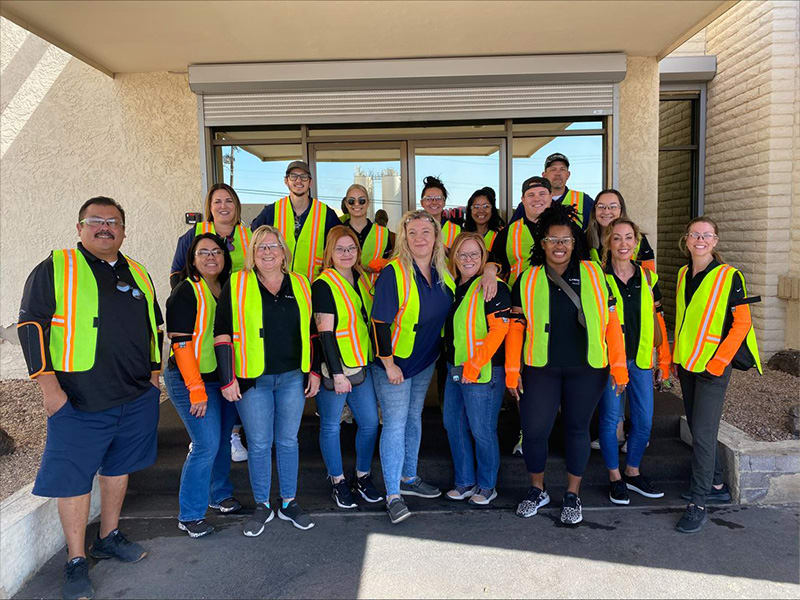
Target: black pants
577 390
703 397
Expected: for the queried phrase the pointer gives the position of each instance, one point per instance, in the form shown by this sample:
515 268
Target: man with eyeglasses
304 221
556 170
90 329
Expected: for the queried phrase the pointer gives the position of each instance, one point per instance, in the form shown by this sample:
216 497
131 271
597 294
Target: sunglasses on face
352 201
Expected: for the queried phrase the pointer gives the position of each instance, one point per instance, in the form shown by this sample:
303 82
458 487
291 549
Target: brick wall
752 143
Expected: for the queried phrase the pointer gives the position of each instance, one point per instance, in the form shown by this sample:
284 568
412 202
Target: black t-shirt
322 299
631 293
181 317
737 290
283 349
568 344
501 302
362 237
122 367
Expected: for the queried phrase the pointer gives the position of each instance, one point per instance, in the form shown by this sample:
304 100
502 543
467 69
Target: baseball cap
536 181
555 158
298 164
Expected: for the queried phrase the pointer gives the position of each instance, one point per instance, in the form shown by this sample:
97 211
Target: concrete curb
757 472
30 533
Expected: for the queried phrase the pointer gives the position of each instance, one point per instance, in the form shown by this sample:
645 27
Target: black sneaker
398 511
197 528
571 511
534 500
116 545
417 487
618 492
261 516
715 496
229 505
367 489
692 520
342 495
296 515
641 485
76 580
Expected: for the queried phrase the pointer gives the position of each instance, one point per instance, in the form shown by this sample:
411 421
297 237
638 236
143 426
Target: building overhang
687 69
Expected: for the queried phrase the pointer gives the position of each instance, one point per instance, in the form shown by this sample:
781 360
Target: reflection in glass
256 172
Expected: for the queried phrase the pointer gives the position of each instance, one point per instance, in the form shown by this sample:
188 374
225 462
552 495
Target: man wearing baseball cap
556 170
304 221
512 247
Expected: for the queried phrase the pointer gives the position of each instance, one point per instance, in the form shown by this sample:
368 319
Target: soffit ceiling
127 36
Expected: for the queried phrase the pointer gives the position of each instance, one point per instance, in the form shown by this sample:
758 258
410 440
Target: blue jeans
470 412
640 400
364 407
205 477
401 408
271 411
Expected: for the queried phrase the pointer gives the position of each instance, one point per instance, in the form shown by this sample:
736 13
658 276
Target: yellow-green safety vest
450 232
405 322
698 327
470 328
307 250
575 199
242 235
488 239
248 326
375 244
644 351
535 297
203 334
519 242
352 333
73 327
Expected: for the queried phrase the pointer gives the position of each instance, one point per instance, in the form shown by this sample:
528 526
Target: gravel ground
759 405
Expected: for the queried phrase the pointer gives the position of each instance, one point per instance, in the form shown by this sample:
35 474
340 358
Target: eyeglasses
706 237
348 250
465 256
261 248
433 198
352 201
208 253
300 176
419 214
556 241
95 222
125 287
607 206
481 206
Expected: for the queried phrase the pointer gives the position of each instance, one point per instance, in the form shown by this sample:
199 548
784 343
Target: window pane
377 169
256 172
462 170
585 154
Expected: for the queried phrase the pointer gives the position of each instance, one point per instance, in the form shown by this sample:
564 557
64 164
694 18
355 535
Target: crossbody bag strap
567 289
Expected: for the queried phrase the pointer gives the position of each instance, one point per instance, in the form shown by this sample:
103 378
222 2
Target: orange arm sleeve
376 264
190 371
616 349
498 328
664 355
728 347
514 338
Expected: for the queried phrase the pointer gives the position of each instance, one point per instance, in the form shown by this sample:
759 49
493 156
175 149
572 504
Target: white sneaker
624 448
518 448
595 444
238 452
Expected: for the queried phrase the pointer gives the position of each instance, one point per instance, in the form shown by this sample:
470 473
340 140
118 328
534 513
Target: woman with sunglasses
609 205
713 332
263 343
473 339
342 298
413 296
374 239
568 335
194 389
222 215
483 216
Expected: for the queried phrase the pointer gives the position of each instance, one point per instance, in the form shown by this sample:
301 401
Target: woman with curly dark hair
433 199
482 215
565 329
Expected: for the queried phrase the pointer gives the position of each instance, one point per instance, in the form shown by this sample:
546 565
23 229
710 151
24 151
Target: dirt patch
22 416
759 405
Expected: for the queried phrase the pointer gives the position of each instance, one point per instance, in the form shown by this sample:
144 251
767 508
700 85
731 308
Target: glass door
378 166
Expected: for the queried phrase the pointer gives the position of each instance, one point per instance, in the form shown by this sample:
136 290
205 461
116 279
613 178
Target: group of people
561 308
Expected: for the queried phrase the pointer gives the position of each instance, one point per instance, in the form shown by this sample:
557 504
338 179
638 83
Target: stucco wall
752 153
638 142
70 133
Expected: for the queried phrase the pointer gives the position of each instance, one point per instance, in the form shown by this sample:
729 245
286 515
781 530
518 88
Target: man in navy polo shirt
89 325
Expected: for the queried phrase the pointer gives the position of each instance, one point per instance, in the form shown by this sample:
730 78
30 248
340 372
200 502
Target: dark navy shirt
267 217
434 305
588 203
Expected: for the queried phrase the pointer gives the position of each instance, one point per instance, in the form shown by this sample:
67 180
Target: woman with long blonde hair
413 296
262 341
